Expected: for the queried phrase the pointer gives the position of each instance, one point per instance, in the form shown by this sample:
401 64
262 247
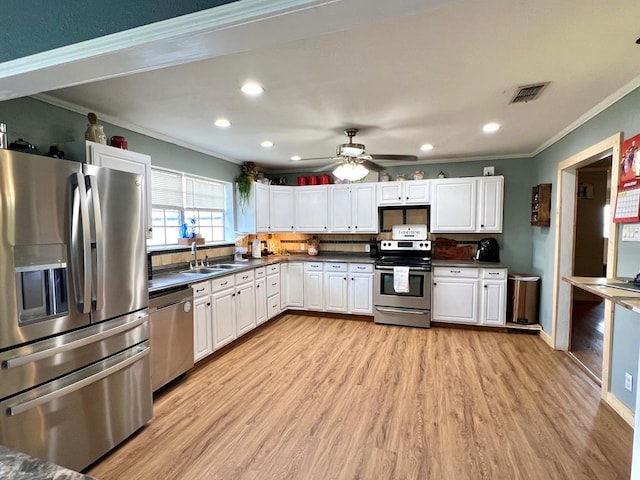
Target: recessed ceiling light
266 144
491 127
252 88
426 147
295 158
222 122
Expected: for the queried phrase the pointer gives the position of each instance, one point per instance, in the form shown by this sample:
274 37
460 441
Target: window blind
204 194
167 189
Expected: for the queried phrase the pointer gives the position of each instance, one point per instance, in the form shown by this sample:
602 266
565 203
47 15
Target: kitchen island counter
19 466
600 286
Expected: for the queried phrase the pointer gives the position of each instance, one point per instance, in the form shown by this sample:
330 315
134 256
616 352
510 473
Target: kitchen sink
205 270
227 266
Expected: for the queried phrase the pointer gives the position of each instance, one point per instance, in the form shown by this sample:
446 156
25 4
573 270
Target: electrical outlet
302 246
628 381
367 248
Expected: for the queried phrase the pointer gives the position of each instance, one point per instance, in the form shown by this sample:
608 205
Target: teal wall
34 26
43 125
623 116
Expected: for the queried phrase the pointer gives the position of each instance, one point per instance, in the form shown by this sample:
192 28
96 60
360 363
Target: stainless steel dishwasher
171 334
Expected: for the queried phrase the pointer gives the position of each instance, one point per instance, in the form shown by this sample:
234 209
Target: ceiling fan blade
372 166
400 158
313 158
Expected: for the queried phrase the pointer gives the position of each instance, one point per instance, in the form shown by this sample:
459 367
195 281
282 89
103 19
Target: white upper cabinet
469 205
312 208
281 209
412 192
364 211
454 205
252 215
490 204
117 159
339 209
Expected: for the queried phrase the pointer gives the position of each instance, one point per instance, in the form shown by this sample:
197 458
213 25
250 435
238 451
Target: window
203 204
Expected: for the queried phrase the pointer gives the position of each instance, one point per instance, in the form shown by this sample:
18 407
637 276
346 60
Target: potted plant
245 181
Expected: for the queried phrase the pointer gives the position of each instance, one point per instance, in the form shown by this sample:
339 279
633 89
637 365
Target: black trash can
523 295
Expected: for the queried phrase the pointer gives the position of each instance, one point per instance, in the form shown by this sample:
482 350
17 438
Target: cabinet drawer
273 285
201 289
361 267
466 272
313 266
260 272
498 273
271 269
244 277
273 306
336 267
222 283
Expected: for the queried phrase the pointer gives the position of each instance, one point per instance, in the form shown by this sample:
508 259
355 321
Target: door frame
565 210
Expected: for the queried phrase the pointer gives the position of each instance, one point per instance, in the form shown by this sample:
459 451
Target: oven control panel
406 245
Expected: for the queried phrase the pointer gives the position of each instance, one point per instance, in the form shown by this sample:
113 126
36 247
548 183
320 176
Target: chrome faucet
194 252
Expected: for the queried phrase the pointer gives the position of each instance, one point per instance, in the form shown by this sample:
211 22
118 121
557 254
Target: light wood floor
587 334
311 397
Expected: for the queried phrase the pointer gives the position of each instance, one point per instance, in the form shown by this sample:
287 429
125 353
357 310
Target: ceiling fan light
351 149
351 171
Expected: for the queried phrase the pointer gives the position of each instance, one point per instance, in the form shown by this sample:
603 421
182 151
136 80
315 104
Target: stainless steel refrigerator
74 353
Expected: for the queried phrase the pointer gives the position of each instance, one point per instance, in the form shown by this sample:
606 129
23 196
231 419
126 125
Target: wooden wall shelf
541 205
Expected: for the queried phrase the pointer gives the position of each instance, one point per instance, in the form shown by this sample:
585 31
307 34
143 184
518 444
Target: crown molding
73 107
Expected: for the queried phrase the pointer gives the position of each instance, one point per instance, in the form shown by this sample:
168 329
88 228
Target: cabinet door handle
399 198
345 278
208 304
454 271
198 290
434 284
485 286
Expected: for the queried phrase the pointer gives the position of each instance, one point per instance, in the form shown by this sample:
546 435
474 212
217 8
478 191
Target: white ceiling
411 73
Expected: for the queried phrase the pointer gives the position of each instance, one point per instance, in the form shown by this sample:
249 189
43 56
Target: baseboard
547 339
620 408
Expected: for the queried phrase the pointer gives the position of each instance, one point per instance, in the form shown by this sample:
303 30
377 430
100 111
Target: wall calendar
628 203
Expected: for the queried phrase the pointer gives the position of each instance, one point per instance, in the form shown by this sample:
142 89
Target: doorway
566 200
586 339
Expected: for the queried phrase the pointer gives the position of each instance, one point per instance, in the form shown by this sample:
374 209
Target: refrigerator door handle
79 217
65 347
49 397
98 283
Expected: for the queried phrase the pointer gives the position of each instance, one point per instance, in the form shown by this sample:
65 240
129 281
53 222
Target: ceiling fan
352 161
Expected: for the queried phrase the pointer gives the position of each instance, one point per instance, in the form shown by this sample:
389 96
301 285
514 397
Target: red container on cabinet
313 180
302 181
325 179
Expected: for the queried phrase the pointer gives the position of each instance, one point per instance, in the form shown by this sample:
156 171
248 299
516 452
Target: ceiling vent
527 93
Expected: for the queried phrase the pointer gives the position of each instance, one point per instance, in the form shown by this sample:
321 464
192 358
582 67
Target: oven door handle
401 310
29 404
411 269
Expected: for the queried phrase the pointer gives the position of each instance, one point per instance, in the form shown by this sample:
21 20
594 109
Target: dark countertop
467 263
166 280
19 466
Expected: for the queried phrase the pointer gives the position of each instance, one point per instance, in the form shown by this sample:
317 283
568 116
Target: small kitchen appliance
402 280
488 250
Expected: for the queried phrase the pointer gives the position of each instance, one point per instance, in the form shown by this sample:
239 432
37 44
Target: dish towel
401 279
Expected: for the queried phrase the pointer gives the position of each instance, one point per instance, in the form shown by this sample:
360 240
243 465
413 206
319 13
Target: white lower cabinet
273 291
469 295
202 321
494 297
336 288
245 308
361 288
261 301
224 319
292 285
313 282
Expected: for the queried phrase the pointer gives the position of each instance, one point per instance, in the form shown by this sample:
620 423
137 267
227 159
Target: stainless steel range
402 281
